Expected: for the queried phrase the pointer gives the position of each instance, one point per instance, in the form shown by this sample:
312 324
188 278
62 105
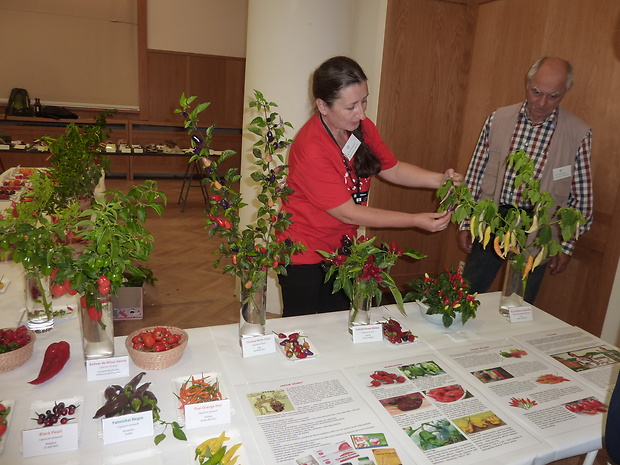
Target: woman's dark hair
329 79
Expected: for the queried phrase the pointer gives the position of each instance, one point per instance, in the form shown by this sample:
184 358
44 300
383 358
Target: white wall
280 63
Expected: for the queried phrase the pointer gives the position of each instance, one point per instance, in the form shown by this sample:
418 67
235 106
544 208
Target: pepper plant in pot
247 251
523 237
114 241
77 163
443 297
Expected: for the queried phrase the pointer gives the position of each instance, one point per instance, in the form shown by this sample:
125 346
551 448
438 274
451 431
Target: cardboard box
128 304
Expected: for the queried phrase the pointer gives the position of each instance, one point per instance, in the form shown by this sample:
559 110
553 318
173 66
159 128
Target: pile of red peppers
56 356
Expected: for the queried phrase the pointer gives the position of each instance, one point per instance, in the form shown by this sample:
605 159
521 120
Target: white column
286 41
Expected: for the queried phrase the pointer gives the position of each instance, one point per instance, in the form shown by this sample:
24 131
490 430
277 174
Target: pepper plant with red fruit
362 269
113 242
446 294
249 251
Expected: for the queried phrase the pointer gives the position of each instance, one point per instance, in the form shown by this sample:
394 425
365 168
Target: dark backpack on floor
19 103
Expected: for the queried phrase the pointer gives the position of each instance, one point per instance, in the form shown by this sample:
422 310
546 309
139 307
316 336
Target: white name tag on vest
562 172
350 147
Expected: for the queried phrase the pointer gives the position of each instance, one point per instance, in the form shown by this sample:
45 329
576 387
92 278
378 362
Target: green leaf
159 438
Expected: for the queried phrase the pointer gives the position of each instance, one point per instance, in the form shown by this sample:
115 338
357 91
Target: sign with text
258 345
126 427
207 414
50 440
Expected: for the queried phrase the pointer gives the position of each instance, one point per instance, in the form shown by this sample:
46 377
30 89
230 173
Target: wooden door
448 77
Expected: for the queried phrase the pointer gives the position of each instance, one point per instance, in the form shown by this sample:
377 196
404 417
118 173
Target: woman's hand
433 222
457 178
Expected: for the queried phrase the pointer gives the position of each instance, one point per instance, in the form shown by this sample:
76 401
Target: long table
338 362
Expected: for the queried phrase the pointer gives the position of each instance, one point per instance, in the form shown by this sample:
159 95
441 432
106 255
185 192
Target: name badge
351 147
562 172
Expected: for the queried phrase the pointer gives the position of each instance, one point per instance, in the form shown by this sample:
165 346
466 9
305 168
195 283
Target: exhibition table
328 402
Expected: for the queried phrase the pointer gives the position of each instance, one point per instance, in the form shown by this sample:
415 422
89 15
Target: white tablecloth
217 349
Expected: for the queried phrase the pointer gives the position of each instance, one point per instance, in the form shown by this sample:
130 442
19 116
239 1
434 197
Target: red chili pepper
94 314
56 356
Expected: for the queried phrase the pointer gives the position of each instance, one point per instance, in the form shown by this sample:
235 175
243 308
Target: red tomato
58 290
159 346
2 429
148 340
159 333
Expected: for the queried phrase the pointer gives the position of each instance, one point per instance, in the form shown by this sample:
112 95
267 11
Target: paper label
106 368
350 147
126 427
208 414
367 333
518 314
561 172
258 345
50 440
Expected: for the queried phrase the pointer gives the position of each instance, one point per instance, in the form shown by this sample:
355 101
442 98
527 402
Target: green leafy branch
525 237
250 251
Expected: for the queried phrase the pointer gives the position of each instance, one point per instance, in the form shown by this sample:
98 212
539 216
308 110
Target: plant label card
126 427
49 440
367 333
518 314
106 368
258 345
216 412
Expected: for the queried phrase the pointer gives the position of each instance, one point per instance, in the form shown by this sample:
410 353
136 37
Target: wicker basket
16 358
157 360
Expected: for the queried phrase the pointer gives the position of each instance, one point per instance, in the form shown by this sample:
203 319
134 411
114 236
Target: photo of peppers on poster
438 413
314 419
537 390
589 358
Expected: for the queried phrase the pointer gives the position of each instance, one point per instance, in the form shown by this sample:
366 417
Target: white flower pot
438 318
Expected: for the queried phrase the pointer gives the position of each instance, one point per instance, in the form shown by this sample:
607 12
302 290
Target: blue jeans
482 266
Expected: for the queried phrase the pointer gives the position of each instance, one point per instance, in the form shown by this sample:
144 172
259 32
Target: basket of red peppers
156 347
16 346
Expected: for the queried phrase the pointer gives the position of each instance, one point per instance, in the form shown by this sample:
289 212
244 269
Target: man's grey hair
535 67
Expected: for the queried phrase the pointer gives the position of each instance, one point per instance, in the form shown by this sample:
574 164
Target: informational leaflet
589 358
441 418
316 420
546 398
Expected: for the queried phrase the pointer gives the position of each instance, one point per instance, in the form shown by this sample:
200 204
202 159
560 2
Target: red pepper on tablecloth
56 356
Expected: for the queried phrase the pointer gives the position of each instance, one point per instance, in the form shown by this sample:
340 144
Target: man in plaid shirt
557 141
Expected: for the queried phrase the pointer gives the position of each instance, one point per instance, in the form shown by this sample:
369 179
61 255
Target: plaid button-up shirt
534 139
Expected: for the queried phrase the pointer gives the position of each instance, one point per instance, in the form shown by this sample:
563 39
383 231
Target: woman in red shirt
331 163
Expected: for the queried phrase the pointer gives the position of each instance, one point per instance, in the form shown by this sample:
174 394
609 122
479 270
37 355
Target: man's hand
464 241
558 263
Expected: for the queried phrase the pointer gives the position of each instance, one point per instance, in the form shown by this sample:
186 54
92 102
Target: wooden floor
189 292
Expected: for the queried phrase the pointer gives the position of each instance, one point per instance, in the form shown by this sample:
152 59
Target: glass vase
40 318
253 312
513 290
359 313
97 327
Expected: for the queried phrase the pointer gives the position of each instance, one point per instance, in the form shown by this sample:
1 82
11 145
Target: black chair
612 426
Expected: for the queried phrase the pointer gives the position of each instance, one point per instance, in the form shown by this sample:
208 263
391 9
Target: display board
93 65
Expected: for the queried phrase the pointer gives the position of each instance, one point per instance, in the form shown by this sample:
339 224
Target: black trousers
305 292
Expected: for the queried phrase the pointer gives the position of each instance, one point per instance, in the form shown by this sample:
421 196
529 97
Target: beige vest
567 137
